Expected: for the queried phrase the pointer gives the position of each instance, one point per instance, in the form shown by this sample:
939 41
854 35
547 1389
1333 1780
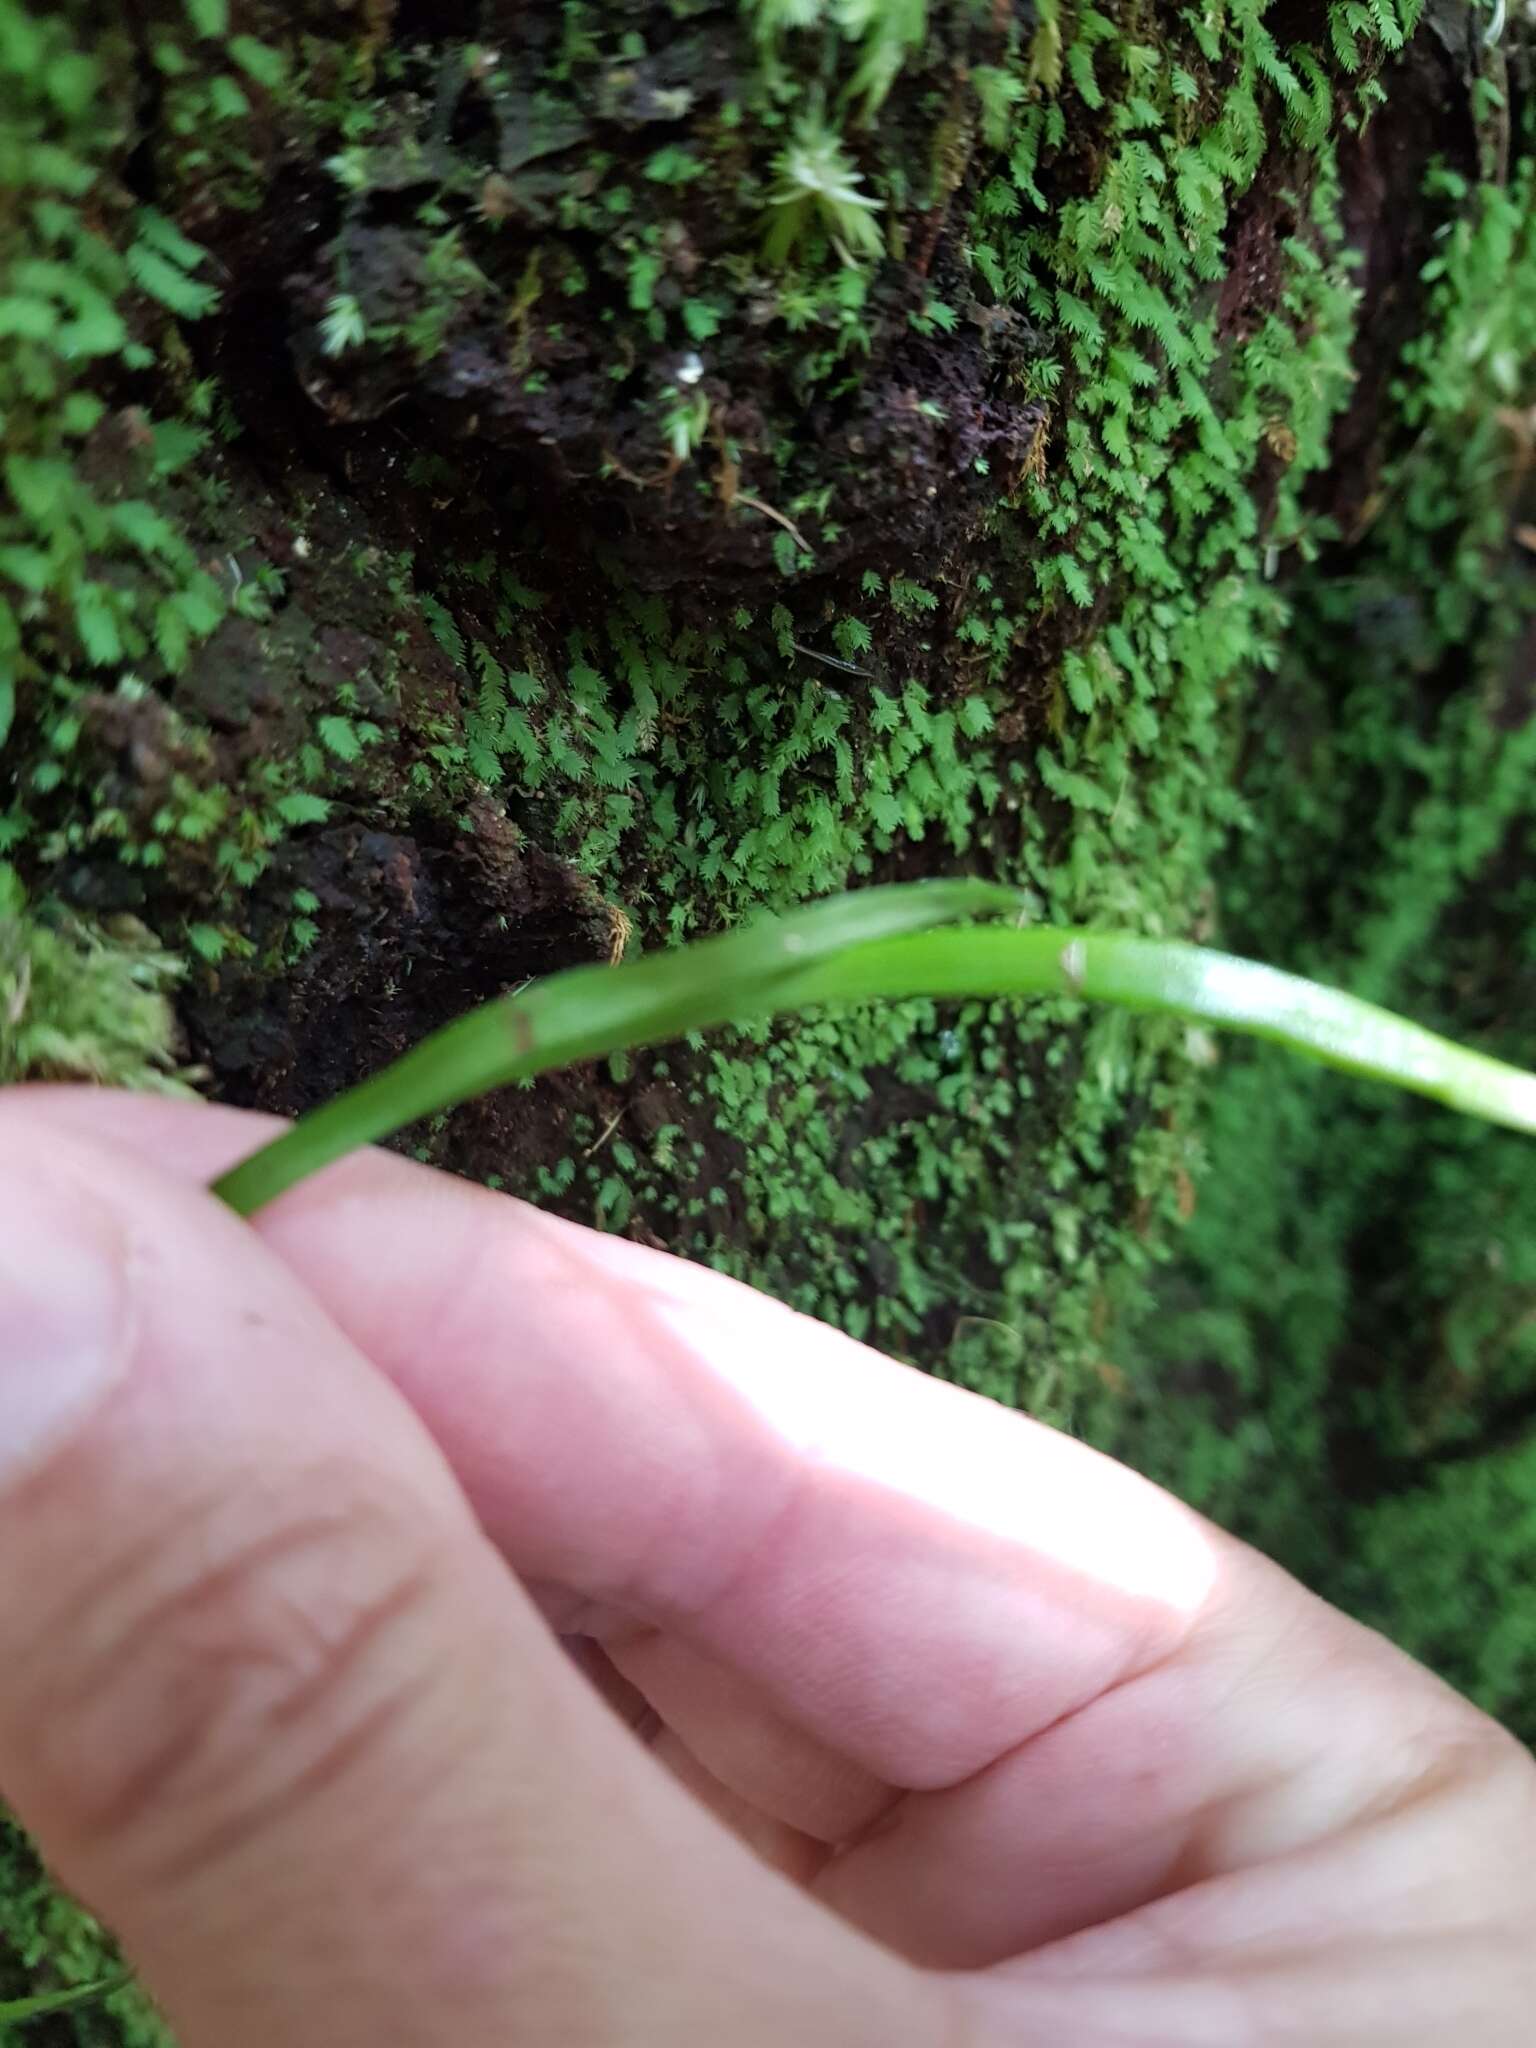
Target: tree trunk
492 484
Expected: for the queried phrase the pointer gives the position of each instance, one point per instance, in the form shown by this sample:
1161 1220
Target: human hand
952 1732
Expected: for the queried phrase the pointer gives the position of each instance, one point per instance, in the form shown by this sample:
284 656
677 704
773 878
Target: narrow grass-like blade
19 2009
588 1011
1187 981
873 945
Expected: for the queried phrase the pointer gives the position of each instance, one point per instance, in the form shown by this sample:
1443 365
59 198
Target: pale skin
900 1720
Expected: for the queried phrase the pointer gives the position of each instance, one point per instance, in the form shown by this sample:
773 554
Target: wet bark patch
410 934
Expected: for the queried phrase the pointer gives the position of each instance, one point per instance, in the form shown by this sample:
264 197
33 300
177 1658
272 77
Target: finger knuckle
242 1661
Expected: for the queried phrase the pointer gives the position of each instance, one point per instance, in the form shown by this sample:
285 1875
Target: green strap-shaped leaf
876 944
588 1011
20 2009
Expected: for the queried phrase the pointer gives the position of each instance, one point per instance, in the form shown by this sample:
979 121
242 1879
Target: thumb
274 1707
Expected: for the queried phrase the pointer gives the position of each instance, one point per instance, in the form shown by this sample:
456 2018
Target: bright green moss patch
93 577
1342 1364
47 1946
80 1004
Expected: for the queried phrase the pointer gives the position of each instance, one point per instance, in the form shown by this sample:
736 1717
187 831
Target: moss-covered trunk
490 485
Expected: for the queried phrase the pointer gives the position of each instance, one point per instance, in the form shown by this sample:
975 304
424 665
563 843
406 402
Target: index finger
919 1578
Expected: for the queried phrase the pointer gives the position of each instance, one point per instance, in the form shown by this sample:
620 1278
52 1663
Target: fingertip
182 1137
66 1303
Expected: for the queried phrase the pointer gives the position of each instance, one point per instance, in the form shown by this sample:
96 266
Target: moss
79 1004
1342 1363
94 577
47 1943
1051 693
